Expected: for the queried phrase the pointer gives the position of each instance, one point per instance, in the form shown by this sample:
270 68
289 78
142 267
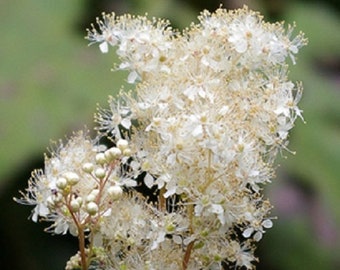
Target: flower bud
92 208
75 205
92 196
72 178
88 167
79 200
112 153
100 173
101 159
61 183
122 144
127 152
115 192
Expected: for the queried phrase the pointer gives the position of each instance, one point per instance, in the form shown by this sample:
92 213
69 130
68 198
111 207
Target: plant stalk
187 254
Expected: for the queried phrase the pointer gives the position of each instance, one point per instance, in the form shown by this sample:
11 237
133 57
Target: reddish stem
81 238
187 255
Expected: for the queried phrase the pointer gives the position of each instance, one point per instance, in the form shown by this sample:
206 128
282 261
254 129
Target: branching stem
81 239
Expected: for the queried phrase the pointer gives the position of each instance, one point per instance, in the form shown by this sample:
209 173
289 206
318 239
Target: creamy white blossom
199 134
58 191
210 126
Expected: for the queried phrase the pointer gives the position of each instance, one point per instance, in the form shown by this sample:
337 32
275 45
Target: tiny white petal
132 77
267 223
177 239
217 208
247 232
148 180
258 236
104 47
170 192
126 123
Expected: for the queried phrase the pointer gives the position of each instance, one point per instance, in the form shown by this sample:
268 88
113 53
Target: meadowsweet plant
192 146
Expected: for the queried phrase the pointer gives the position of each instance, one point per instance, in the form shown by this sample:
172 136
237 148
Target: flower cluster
78 185
211 109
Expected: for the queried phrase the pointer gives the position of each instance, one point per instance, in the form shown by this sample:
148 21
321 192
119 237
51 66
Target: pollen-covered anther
179 145
170 227
146 166
157 121
203 118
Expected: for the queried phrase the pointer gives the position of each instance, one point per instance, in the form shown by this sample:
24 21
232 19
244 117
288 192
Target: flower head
70 189
210 126
199 134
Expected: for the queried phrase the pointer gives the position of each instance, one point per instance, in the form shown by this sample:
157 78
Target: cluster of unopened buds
193 146
67 196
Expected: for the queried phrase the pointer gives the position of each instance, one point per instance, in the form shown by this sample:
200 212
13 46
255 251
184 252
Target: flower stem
187 255
185 262
81 239
162 202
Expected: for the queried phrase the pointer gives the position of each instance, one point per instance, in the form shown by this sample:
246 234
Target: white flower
211 108
242 255
61 188
111 119
142 43
37 194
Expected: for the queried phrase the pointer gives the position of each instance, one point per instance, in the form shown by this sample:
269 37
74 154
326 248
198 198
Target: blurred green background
50 82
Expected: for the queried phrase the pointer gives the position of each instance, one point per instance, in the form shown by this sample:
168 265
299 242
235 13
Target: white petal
258 236
126 123
177 239
148 180
217 208
247 232
104 47
198 131
132 77
170 192
267 223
